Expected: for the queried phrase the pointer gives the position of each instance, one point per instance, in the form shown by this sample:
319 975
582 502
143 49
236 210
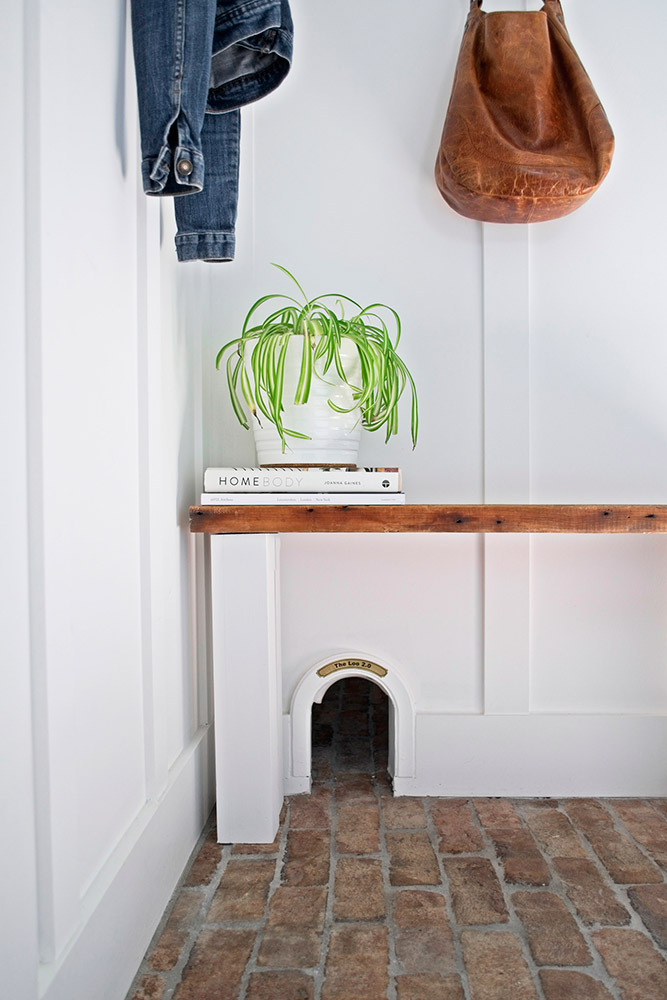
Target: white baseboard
296 786
540 755
532 756
123 909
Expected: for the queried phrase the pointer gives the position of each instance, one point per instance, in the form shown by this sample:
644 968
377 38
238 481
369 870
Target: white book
301 499
323 480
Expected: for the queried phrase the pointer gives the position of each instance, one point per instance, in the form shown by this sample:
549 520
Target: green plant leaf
306 371
383 378
290 275
232 380
295 434
246 388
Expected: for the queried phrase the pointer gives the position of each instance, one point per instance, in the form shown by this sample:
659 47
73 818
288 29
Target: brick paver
565 984
280 986
553 935
302 907
594 899
358 890
293 935
496 967
311 812
403 813
620 855
516 849
307 857
290 948
357 963
521 860
646 826
477 896
454 821
356 785
497 814
358 829
423 937
412 859
149 988
243 891
216 966
650 902
167 951
554 832
362 895
429 986
206 862
630 957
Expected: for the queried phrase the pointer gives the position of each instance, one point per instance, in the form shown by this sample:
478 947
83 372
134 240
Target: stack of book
309 486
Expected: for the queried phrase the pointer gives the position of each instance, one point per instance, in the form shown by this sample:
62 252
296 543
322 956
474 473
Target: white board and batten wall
107 749
540 358
536 664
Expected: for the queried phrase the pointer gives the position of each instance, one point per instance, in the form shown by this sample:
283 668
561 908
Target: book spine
301 481
302 499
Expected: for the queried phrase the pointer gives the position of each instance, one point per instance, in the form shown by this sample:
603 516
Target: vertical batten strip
198 552
147 292
44 821
506 316
506 575
18 923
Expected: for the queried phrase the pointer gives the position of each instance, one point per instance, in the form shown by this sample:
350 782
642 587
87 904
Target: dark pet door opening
350 729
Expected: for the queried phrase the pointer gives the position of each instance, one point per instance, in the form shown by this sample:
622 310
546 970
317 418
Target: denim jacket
197 63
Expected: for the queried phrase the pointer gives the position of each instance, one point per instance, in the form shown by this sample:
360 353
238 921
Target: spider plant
255 361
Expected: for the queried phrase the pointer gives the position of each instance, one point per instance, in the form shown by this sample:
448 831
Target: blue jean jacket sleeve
197 63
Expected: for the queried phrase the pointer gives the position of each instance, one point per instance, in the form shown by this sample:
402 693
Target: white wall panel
539 356
599 350
598 415
414 598
90 443
599 607
106 447
337 185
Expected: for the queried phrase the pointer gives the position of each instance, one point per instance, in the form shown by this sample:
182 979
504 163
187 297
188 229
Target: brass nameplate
372 668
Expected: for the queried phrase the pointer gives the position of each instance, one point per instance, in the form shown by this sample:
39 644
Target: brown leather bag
525 138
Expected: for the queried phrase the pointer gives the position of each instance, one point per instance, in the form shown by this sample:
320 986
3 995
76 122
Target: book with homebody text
306 480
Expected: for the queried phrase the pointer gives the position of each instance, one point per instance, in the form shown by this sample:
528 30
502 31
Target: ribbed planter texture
334 437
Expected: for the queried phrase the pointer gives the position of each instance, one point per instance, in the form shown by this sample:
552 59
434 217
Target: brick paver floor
366 897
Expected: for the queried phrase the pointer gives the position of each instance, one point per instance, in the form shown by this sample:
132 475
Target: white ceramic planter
334 437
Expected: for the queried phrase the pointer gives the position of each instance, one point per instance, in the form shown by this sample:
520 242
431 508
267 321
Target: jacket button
184 167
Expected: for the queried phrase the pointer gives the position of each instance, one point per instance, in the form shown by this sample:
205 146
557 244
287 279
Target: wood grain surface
545 518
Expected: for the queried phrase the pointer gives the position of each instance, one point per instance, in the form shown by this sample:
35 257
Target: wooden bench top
544 518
